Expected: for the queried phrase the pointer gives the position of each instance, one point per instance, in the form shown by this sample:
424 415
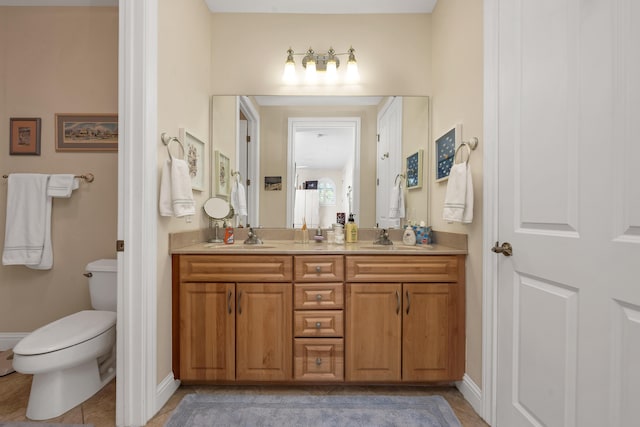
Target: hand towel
238 198
61 185
396 202
176 196
458 200
27 239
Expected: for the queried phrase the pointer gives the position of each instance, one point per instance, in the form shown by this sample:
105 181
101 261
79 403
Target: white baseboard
165 390
471 393
10 339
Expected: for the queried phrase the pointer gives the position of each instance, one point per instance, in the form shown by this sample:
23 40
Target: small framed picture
25 136
273 183
445 147
221 183
194 156
414 170
86 132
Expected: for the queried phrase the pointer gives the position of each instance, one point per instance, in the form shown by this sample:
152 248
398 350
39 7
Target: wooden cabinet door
264 331
373 331
431 348
207 331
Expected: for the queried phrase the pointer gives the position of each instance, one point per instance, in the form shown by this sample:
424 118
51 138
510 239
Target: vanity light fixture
320 64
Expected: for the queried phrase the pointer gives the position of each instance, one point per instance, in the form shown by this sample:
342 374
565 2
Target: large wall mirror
307 158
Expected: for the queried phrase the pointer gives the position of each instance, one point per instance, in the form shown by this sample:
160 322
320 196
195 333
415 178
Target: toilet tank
103 284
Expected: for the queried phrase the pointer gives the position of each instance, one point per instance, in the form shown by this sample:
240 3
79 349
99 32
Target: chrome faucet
383 238
252 238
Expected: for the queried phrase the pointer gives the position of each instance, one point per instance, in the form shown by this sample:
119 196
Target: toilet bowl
73 357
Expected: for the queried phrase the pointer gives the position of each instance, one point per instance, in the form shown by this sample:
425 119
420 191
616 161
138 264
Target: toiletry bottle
351 230
228 236
305 232
409 236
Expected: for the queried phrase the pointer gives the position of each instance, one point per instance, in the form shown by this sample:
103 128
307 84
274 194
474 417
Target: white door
569 204
389 160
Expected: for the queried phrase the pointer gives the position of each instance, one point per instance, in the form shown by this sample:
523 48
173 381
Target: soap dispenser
351 230
409 236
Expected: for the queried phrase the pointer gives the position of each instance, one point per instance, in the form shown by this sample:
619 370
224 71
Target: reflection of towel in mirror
176 197
238 198
27 239
458 201
396 202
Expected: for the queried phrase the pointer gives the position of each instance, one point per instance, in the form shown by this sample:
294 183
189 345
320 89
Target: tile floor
100 409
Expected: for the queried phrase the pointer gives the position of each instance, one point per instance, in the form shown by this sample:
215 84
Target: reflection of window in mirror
327 192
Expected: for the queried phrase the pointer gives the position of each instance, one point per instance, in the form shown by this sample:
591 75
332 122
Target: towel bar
89 177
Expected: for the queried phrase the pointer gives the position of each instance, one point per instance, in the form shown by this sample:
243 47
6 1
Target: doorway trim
490 211
296 123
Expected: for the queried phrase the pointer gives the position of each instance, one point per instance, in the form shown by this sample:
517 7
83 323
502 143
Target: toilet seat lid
66 332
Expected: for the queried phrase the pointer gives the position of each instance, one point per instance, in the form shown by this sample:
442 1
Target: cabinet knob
318 325
318 269
318 297
318 361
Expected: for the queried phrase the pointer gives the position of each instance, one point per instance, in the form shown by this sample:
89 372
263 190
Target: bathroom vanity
317 313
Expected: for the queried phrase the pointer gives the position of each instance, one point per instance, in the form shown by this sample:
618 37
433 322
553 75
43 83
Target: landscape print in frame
86 132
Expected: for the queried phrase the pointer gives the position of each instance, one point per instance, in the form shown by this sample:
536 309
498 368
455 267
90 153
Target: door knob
505 249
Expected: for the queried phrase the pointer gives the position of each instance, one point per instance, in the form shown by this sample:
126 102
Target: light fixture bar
325 63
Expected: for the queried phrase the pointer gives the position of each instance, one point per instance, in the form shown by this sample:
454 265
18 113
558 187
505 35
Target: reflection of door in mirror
323 169
389 160
248 158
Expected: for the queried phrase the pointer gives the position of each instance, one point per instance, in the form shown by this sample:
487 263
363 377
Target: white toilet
73 357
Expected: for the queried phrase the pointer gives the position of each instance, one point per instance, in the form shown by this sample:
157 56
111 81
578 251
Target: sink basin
237 247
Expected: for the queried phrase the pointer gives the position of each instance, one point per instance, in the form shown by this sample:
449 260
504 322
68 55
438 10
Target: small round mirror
217 208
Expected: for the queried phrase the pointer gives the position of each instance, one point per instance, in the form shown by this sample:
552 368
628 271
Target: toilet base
54 393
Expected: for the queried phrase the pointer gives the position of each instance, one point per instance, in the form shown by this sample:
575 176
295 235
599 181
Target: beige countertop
292 248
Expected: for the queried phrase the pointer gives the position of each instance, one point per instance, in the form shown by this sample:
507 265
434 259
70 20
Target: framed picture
24 136
194 156
414 170
86 132
221 183
273 183
445 147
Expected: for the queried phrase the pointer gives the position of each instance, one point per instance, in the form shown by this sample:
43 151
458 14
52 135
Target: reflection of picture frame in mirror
414 170
221 182
25 136
194 156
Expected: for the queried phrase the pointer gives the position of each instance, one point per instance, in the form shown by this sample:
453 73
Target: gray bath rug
205 410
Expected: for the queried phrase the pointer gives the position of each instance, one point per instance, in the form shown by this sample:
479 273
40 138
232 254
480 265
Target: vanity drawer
324 268
318 359
315 296
318 323
235 268
402 268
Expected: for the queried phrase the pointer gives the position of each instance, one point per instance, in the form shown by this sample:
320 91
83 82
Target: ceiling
321 6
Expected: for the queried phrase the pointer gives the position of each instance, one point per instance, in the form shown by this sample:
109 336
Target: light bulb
352 67
332 71
310 74
289 75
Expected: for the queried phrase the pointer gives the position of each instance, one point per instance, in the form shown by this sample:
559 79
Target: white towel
27 239
396 202
238 198
176 196
61 185
458 201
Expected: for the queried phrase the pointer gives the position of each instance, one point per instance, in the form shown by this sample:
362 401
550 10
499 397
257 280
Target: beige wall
415 136
273 158
457 98
58 60
184 67
393 52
